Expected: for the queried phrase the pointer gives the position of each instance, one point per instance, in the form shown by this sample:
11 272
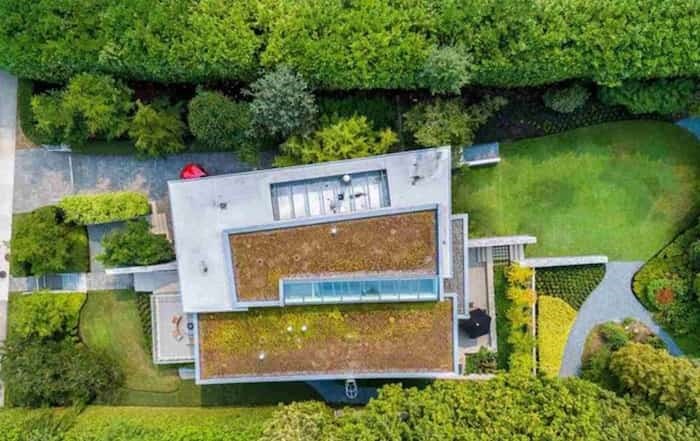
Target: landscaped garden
621 189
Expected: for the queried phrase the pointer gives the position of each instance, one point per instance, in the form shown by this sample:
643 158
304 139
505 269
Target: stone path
613 299
43 177
8 129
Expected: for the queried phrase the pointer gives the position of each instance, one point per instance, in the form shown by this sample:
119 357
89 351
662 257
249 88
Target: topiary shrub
135 245
567 99
665 96
104 208
282 103
217 122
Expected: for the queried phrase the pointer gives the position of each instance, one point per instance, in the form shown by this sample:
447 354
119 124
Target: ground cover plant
639 179
327 339
555 318
102 208
521 294
573 284
669 284
403 242
508 407
44 242
659 96
135 245
43 340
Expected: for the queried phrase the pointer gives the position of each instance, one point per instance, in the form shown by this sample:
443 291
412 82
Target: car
193 171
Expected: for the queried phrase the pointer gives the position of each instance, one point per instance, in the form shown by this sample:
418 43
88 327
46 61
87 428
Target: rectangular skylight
330 195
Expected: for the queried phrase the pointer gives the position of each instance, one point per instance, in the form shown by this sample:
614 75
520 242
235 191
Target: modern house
341 270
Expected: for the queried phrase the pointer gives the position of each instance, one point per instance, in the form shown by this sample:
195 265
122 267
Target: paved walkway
8 132
43 177
613 299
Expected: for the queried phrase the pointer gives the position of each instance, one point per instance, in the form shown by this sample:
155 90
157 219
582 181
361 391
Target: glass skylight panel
359 291
330 195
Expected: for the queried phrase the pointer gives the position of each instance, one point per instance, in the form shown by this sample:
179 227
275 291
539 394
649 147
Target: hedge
363 44
573 284
554 321
519 315
104 208
97 423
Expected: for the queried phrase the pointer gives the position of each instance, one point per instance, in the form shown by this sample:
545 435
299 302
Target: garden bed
404 243
573 284
337 340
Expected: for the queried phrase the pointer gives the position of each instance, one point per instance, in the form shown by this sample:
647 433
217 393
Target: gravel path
613 299
43 177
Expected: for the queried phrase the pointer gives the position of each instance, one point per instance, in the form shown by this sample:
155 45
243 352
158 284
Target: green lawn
110 322
620 189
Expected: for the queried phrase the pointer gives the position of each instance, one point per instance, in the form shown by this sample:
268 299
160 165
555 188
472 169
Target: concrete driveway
43 177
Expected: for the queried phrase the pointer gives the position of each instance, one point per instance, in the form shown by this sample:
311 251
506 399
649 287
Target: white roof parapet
548 262
169 266
483 242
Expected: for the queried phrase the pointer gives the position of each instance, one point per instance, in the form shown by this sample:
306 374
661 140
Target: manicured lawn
621 189
109 321
502 324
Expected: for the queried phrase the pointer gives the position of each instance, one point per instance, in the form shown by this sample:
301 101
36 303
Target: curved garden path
612 299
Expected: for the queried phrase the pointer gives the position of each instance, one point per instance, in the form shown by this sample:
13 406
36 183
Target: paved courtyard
45 177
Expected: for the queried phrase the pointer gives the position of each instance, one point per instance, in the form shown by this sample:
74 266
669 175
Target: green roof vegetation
327 339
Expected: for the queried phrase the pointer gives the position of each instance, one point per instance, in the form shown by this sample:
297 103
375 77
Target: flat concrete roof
203 208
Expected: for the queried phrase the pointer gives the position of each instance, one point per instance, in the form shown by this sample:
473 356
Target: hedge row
573 284
135 424
519 315
104 208
554 321
360 44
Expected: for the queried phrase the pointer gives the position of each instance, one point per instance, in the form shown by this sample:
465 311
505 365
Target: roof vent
203 267
346 179
261 356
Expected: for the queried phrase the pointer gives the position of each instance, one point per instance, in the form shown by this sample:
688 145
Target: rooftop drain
203 268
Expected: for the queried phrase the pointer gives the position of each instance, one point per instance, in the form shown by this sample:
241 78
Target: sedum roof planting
327 340
399 243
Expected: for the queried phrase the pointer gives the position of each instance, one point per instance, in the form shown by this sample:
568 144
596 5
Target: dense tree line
357 44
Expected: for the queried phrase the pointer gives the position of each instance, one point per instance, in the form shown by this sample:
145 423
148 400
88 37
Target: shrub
596 369
614 335
157 130
25 93
143 305
664 96
135 245
662 293
567 99
448 122
104 208
45 315
91 106
282 103
345 139
694 256
573 284
445 70
519 314
554 321
482 362
306 421
380 111
62 373
43 243
669 383
217 122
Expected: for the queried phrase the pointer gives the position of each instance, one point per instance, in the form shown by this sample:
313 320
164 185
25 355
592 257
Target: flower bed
554 321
